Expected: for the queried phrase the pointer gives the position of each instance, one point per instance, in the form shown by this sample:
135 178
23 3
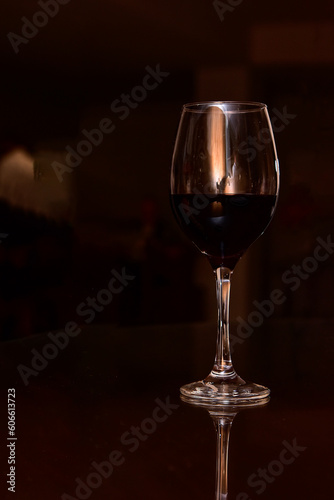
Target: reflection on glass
222 419
223 423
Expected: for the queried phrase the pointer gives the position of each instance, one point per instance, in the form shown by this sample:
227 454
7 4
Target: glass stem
223 428
223 367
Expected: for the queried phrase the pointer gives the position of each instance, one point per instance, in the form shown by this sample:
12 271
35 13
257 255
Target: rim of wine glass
236 106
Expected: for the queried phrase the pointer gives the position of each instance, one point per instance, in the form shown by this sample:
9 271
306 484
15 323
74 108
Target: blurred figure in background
35 224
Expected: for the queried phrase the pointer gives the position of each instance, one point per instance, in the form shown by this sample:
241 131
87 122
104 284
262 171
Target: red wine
223 226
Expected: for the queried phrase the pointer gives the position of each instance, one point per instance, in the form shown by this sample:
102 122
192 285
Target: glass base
234 391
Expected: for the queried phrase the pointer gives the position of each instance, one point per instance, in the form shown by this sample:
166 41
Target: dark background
59 243
113 209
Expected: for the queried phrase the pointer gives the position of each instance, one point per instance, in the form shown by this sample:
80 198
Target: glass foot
235 391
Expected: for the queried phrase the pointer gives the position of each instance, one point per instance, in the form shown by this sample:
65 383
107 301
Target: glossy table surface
102 418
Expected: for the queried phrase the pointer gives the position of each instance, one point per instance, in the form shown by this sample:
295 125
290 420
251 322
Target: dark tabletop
102 417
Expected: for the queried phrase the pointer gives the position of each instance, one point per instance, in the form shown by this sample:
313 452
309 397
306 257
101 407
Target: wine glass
222 418
224 187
